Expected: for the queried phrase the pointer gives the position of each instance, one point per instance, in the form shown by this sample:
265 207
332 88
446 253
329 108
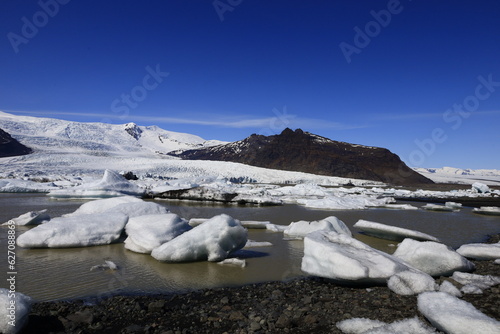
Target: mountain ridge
305 152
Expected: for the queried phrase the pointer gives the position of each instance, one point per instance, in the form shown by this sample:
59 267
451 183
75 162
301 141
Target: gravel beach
306 305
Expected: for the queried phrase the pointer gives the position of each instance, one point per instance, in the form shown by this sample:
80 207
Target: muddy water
49 274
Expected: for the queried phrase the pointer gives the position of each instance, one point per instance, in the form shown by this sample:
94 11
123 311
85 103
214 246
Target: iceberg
102 205
13 318
145 233
112 184
30 218
481 281
480 188
213 240
436 207
301 228
347 260
480 251
432 258
127 205
354 202
488 210
368 326
276 228
449 288
391 232
75 231
411 282
234 262
452 315
107 265
253 243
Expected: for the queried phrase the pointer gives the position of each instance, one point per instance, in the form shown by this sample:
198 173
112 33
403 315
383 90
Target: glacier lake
55 274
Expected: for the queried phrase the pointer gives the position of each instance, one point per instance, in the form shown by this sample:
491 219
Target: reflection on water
47 274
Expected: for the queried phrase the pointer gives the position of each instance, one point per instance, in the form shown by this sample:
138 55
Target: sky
421 77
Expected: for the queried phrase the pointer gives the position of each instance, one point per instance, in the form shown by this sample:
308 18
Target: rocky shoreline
306 305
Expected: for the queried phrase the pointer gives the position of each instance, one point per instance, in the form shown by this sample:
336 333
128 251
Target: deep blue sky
258 66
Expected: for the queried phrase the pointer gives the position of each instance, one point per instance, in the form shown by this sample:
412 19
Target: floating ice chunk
301 228
75 231
436 207
352 202
112 184
213 240
449 288
102 205
480 188
139 209
471 289
13 316
480 251
107 265
432 258
276 228
30 218
26 186
488 210
391 232
452 315
234 262
145 233
197 221
347 260
368 326
255 224
453 205
481 281
252 243
399 206
411 282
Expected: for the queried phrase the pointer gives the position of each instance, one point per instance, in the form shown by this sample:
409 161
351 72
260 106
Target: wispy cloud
414 116
233 121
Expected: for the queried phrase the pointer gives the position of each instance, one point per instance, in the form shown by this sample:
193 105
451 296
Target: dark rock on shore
305 152
307 305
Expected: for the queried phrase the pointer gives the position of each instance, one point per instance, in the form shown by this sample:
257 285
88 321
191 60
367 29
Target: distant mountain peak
133 130
298 150
10 147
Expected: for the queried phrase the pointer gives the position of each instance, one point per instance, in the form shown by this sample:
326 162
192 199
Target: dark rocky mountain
305 152
10 147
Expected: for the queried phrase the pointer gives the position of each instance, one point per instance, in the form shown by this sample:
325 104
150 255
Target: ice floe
30 218
452 315
480 188
234 262
213 240
352 202
488 210
437 207
127 205
253 243
301 228
391 232
347 260
145 233
14 311
411 282
26 186
481 281
432 258
75 231
449 288
480 251
112 184
368 326
105 266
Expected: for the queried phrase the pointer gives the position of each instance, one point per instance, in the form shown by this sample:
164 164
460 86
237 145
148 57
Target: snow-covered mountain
459 175
47 134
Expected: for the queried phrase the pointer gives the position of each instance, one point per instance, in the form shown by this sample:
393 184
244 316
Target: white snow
462 176
75 231
480 251
488 210
145 233
213 240
368 326
31 218
14 311
391 232
449 288
25 186
452 315
353 202
432 258
112 184
411 282
301 228
347 260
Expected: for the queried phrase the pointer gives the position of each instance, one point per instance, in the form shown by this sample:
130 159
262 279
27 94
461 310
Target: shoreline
302 305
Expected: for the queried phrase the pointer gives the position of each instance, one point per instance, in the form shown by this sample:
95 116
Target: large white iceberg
480 251
432 258
127 205
480 188
301 228
112 184
30 218
14 311
391 232
452 315
347 260
145 233
213 240
75 231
